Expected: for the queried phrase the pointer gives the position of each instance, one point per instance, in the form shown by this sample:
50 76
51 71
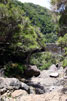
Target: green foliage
64 63
14 69
62 41
40 17
10 17
62 23
18 37
16 29
51 37
43 60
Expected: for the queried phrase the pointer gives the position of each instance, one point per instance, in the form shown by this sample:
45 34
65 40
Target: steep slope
42 18
39 16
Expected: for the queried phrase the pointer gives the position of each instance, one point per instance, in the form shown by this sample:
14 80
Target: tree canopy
16 31
42 18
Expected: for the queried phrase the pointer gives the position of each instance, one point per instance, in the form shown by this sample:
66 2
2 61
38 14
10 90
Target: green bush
14 69
45 65
62 42
43 60
64 64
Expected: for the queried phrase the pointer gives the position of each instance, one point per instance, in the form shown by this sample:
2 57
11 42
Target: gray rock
53 68
32 90
52 88
64 90
15 83
25 86
39 91
11 84
37 88
57 88
44 82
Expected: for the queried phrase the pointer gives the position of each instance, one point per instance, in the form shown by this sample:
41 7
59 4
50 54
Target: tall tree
18 38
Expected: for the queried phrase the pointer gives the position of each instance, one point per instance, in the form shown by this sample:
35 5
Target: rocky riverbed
50 85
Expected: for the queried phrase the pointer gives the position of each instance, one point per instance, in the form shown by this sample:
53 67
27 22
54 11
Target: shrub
14 69
45 65
43 60
64 63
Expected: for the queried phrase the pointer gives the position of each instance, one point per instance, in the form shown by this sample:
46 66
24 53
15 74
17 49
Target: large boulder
38 88
11 84
24 87
53 68
32 71
52 96
44 83
18 93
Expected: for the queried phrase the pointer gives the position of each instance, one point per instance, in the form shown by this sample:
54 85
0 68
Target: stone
32 90
64 90
25 86
52 96
53 68
56 88
14 83
11 84
39 91
41 88
55 74
18 93
52 88
32 71
38 88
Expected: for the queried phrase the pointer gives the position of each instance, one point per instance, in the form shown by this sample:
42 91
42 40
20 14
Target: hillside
40 17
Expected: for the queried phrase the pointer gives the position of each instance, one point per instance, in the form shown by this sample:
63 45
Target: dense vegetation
43 60
42 18
60 7
24 30
18 38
